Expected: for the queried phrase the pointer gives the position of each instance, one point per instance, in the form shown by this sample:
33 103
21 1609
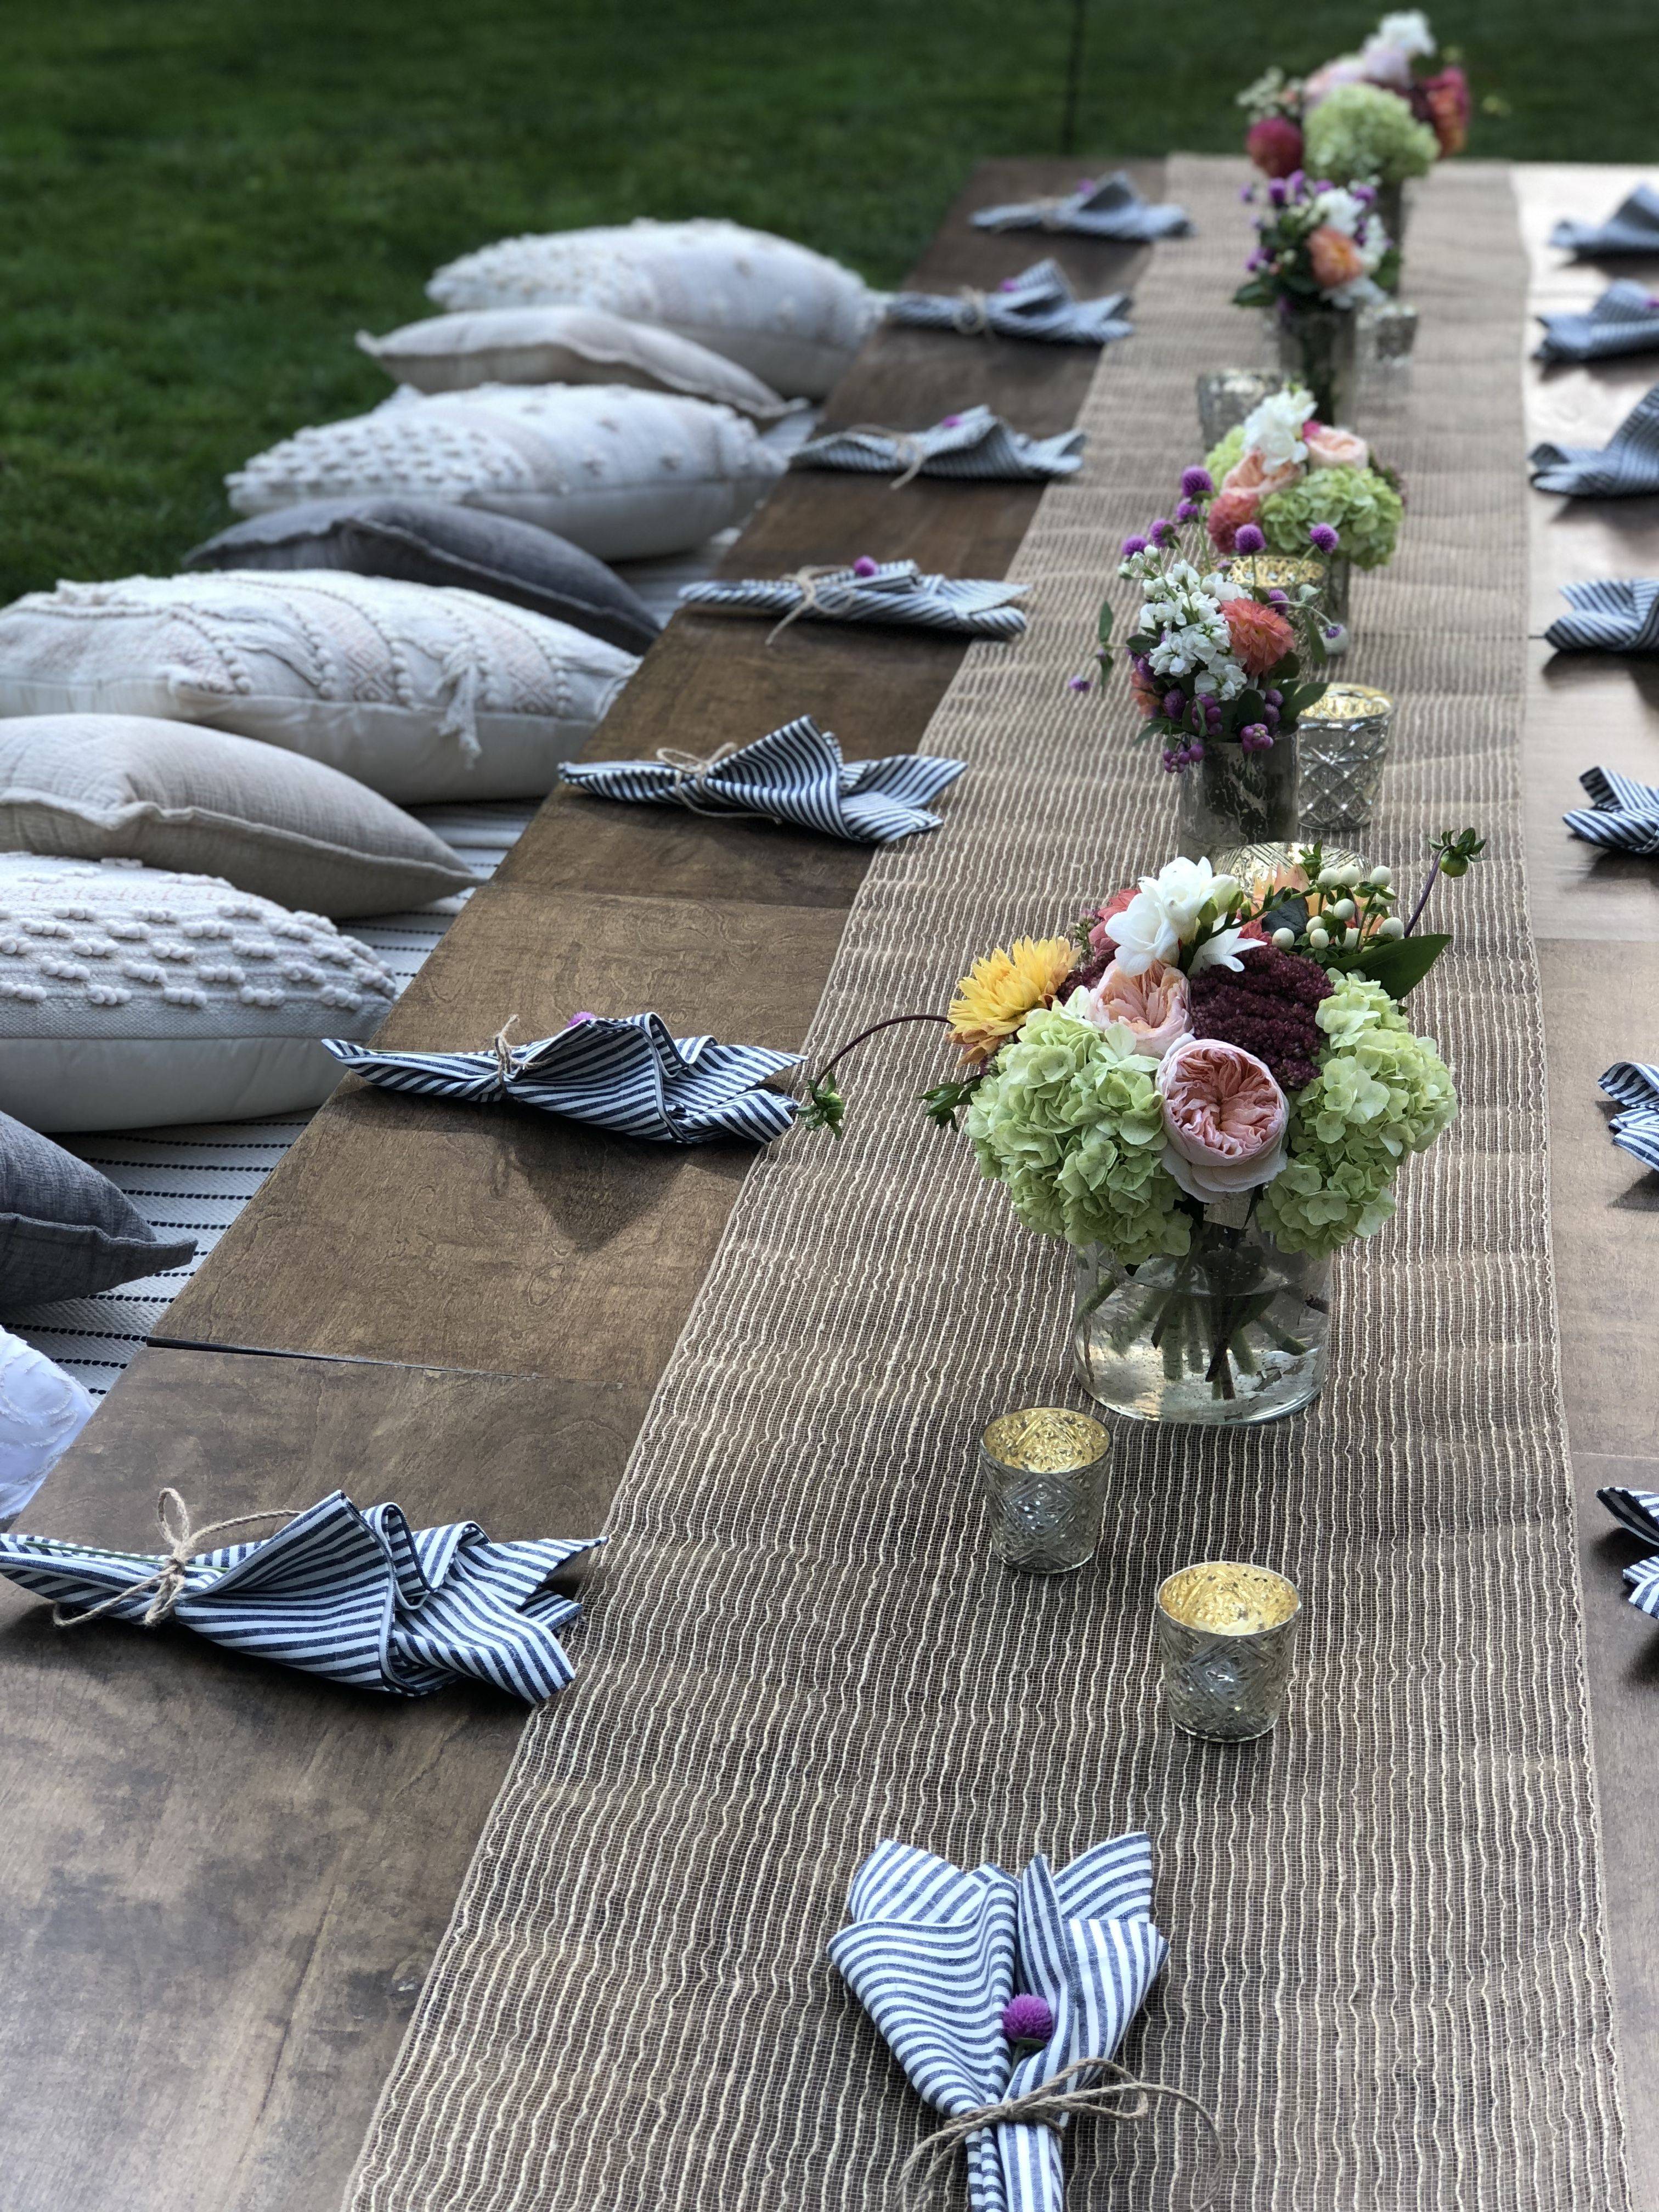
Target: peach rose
1336 259
1329 449
1262 636
1229 512
1155 1005
1224 1118
1249 475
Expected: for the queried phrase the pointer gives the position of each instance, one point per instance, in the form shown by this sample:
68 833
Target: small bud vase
1318 346
1233 797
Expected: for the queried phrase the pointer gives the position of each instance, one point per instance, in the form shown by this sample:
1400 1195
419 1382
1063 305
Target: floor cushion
791 317
42 1411
131 998
65 1231
421 694
429 541
564 345
626 475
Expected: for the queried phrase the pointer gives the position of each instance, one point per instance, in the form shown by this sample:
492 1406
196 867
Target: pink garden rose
1155 1005
1099 942
1247 474
1331 448
1224 1116
1335 259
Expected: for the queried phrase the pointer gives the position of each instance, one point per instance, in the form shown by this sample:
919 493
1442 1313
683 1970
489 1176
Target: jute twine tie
973 314
503 1051
168 1581
907 448
691 775
812 600
1049 2106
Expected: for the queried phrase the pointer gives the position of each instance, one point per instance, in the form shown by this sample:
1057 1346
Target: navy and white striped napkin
975 443
1109 209
359 1597
1624 319
1623 815
795 776
624 1072
1613 615
1634 1085
1627 466
1637 1512
888 592
934 1954
1039 303
1633 227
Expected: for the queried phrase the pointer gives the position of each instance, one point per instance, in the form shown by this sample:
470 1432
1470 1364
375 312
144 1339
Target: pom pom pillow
624 474
42 1411
422 694
791 317
564 345
121 786
419 541
65 1231
130 998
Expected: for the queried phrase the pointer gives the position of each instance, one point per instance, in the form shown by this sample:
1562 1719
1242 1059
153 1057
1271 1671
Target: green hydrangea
1360 133
1227 455
1382 1093
1361 507
1069 1120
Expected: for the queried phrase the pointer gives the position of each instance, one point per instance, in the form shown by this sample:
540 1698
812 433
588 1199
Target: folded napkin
1629 466
1632 228
1635 1086
795 776
1638 1511
42 1411
1038 304
976 443
1623 815
1616 615
624 1072
1111 209
874 592
1624 319
936 1955
358 1597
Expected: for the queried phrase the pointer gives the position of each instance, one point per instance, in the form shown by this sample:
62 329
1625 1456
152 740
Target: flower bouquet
1319 249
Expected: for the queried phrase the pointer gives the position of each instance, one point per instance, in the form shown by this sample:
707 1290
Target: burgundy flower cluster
1269 1010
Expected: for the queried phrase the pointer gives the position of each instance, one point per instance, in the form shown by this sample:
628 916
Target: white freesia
1223 951
1163 913
1273 429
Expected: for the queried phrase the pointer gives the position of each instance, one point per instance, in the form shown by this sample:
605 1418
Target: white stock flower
1408 29
1272 430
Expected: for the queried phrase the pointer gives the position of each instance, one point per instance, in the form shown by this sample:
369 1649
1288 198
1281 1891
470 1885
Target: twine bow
692 772
168 1581
503 1052
1050 2106
909 448
806 582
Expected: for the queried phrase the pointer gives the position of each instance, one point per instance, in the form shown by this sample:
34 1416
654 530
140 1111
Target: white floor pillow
624 474
131 997
421 693
790 316
564 345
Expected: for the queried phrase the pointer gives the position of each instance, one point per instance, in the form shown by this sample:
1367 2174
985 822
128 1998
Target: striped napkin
1614 615
1109 209
1628 466
624 1072
357 1596
976 443
1638 1512
1634 1085
1038 304
1624 319
935 1955
1623 815
795 776
1632 228
874 592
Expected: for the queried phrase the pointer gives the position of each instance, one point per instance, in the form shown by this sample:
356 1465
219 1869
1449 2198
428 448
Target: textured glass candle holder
1288 571
1342 748
1232 797
1226 1634
1227 396
1318 346
1043 1472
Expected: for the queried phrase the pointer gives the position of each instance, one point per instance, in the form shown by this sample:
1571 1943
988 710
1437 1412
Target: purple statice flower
1255 737
1079 683
1133 545
1189 511
864 566
1174 703
1161 529
1247 539
1321 535
1196 482
1027 2019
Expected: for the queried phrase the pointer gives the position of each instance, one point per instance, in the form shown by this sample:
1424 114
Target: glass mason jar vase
1232 798
1232 1333
1318 346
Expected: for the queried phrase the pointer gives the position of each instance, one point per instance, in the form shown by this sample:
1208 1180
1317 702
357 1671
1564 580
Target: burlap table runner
1387 1977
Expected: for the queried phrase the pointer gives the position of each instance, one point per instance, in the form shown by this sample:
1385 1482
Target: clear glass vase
1232 1333
1233 797
1342 748
1318 346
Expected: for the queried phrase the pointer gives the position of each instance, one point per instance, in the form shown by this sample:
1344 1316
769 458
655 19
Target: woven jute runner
1386 1979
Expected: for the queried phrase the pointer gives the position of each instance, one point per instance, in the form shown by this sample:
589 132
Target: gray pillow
419 541
65 1231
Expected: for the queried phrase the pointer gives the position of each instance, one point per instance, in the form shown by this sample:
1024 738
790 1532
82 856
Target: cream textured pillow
123 786
623 473
564 345
421 693
131 997
790 316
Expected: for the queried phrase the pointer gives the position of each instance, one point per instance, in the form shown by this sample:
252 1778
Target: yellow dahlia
997 992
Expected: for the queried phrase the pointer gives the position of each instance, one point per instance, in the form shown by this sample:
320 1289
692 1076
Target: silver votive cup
1227 396
1043 1472
1226 1631
1343 744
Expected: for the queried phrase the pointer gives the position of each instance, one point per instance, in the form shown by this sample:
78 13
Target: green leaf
1105 622
946 1100
1400 964
825 1108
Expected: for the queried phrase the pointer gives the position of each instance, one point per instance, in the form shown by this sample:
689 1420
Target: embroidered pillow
626 475
132 997
422 694
790 316
65 1231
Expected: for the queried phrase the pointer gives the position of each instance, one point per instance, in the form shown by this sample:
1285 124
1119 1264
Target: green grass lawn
204 199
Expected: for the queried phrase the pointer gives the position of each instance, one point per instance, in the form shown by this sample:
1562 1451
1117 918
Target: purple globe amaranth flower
1197 482
1027 2019
1079 683
864 566
1189 511
1275 698
1247 539
1276 191
1131 545
1270 714
1278 599
1321 535
1174 703
1161 529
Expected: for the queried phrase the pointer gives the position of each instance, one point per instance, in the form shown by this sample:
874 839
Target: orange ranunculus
1336 259
1262 636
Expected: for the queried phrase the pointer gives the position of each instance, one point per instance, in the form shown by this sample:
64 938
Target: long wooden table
220 1884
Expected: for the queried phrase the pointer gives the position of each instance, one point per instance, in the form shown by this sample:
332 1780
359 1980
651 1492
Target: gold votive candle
1043 1472
1342 744
1226 1631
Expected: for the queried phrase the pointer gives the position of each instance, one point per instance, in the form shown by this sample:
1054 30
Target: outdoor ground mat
1386 1976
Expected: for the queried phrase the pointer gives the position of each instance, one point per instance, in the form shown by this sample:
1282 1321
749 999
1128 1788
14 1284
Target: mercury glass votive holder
1226 1632
1227 396
1343 746
1043 1472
